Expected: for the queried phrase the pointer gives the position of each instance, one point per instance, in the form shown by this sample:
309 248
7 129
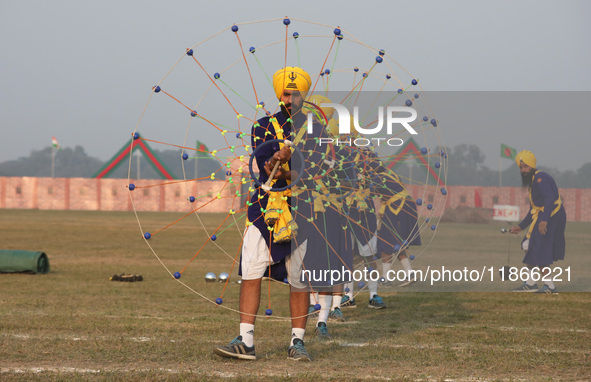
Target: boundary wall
112 195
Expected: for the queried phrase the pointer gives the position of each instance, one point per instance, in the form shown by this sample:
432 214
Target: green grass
75 324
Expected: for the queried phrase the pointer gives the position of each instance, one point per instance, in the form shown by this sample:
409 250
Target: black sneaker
298 352
377 303
236 349
322 331
336 315
347 302
547 289
526 288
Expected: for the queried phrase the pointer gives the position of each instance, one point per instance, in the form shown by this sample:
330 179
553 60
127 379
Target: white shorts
256 258
369 249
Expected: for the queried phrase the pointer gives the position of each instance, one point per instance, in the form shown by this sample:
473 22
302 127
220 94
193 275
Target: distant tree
69 163
584 176
465 167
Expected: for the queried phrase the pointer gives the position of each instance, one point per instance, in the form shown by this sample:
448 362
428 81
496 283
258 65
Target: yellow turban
527 157
317 99
291 78
333 128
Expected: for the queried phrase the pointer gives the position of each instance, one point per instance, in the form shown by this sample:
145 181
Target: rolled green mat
23 261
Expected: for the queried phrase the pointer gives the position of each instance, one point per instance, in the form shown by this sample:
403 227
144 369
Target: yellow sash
398 196
278 213
535 210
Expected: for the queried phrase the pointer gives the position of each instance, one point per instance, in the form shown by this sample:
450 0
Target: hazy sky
82 71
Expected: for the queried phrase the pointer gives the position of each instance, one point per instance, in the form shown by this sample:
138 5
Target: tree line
465 167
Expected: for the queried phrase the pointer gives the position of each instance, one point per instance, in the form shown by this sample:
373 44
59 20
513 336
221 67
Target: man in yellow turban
261 255
544 242
291 85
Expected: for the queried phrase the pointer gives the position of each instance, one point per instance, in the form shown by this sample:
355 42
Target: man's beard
289 114
527 179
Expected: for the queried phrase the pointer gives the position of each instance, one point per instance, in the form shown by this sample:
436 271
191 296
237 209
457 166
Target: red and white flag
55 143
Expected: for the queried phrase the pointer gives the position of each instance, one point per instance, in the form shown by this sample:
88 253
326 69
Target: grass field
75 324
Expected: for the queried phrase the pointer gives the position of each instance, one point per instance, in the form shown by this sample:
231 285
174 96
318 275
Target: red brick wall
220 196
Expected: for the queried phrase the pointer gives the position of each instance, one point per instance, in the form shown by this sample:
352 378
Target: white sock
297 333
350 292
372 285
406 265
550 284
336 301
247 333
373 288
313 298
530 281
325 301
385 268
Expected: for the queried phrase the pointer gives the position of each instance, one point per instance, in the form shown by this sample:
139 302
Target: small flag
201 147
55 143
477 198
508 152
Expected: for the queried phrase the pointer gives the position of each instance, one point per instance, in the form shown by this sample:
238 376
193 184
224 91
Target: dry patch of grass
75 324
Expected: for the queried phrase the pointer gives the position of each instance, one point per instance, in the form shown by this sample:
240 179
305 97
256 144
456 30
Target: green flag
201 147
508 152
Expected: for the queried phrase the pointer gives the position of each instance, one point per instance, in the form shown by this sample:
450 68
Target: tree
584 176
68 163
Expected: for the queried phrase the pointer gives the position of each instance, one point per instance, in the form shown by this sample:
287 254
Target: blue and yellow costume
319 208
398 211
545 205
